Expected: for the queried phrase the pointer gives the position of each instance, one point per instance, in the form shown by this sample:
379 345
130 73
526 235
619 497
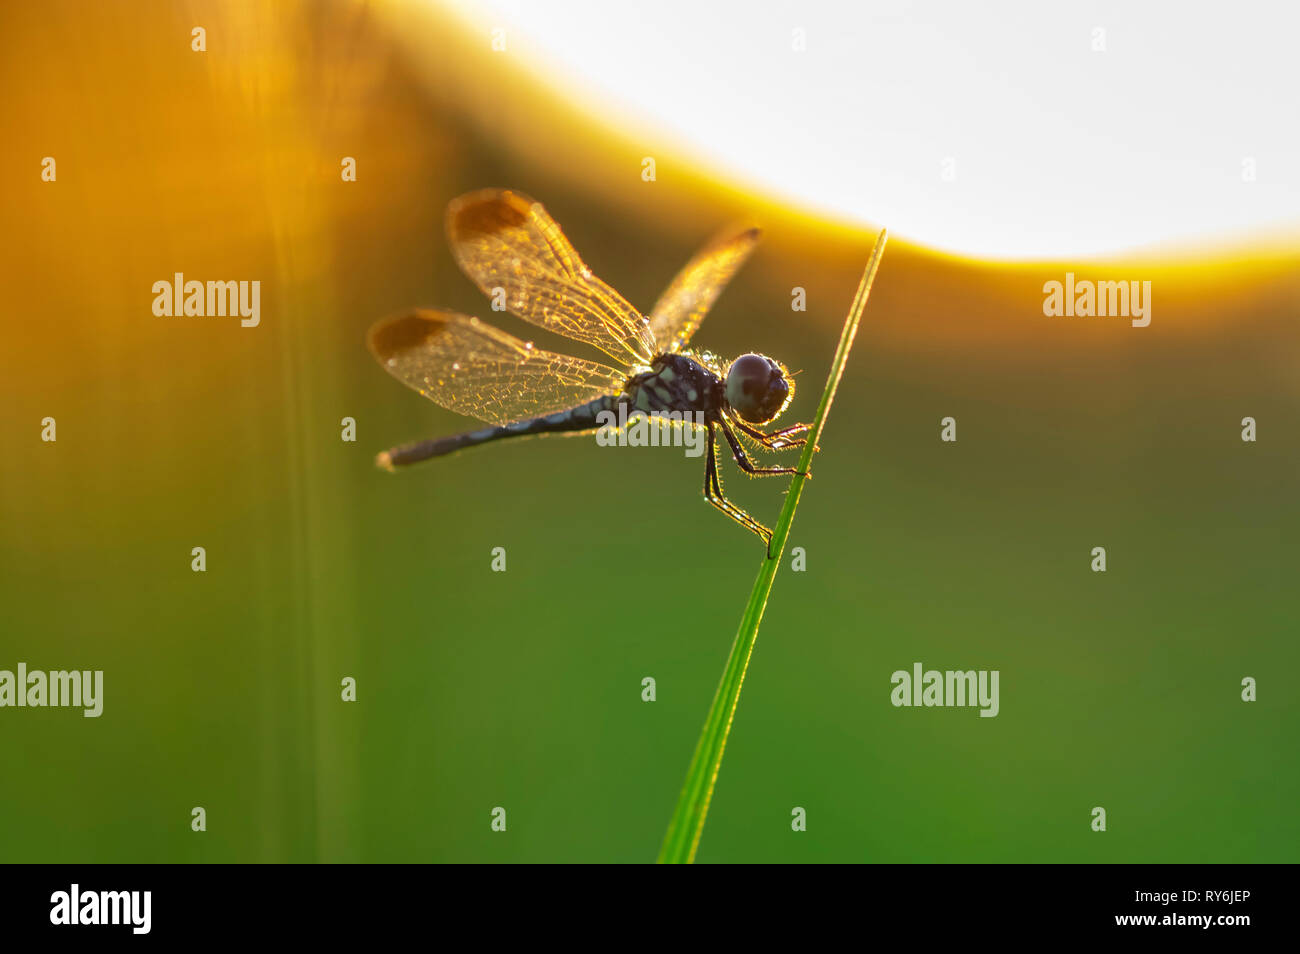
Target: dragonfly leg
713 494
747 465
783 439
788 436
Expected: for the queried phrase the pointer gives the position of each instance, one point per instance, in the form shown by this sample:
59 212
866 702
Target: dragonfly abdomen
581 418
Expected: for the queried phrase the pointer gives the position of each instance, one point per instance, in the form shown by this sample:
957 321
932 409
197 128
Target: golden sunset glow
1047 130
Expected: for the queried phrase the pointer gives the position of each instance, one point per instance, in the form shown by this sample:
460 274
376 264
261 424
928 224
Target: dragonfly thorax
675 382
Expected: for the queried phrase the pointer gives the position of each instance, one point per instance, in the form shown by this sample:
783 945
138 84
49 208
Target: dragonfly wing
472 368
683 305
504 240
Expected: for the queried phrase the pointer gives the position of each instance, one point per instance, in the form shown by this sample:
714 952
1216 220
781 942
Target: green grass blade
683 837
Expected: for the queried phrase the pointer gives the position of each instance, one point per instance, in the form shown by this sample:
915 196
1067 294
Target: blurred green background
523 689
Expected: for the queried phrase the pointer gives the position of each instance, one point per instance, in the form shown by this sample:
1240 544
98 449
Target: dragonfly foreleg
713 494
747 465
783 439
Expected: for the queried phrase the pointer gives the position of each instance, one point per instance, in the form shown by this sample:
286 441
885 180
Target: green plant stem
683 836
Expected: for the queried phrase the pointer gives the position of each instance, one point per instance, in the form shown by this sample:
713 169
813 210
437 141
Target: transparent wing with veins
684 304
472 368
505 240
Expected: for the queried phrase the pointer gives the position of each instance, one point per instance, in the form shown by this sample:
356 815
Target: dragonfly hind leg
713 494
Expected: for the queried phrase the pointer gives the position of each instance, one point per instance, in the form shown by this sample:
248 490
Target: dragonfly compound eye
757 388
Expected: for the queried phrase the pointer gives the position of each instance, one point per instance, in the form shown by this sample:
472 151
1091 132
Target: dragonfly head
758 388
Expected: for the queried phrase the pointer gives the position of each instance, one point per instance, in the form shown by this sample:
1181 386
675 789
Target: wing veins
469 366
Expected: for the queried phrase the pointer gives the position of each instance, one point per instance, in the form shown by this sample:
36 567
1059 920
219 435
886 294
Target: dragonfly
509 246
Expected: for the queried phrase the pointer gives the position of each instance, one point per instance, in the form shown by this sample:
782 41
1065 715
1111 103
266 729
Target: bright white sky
1055 149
